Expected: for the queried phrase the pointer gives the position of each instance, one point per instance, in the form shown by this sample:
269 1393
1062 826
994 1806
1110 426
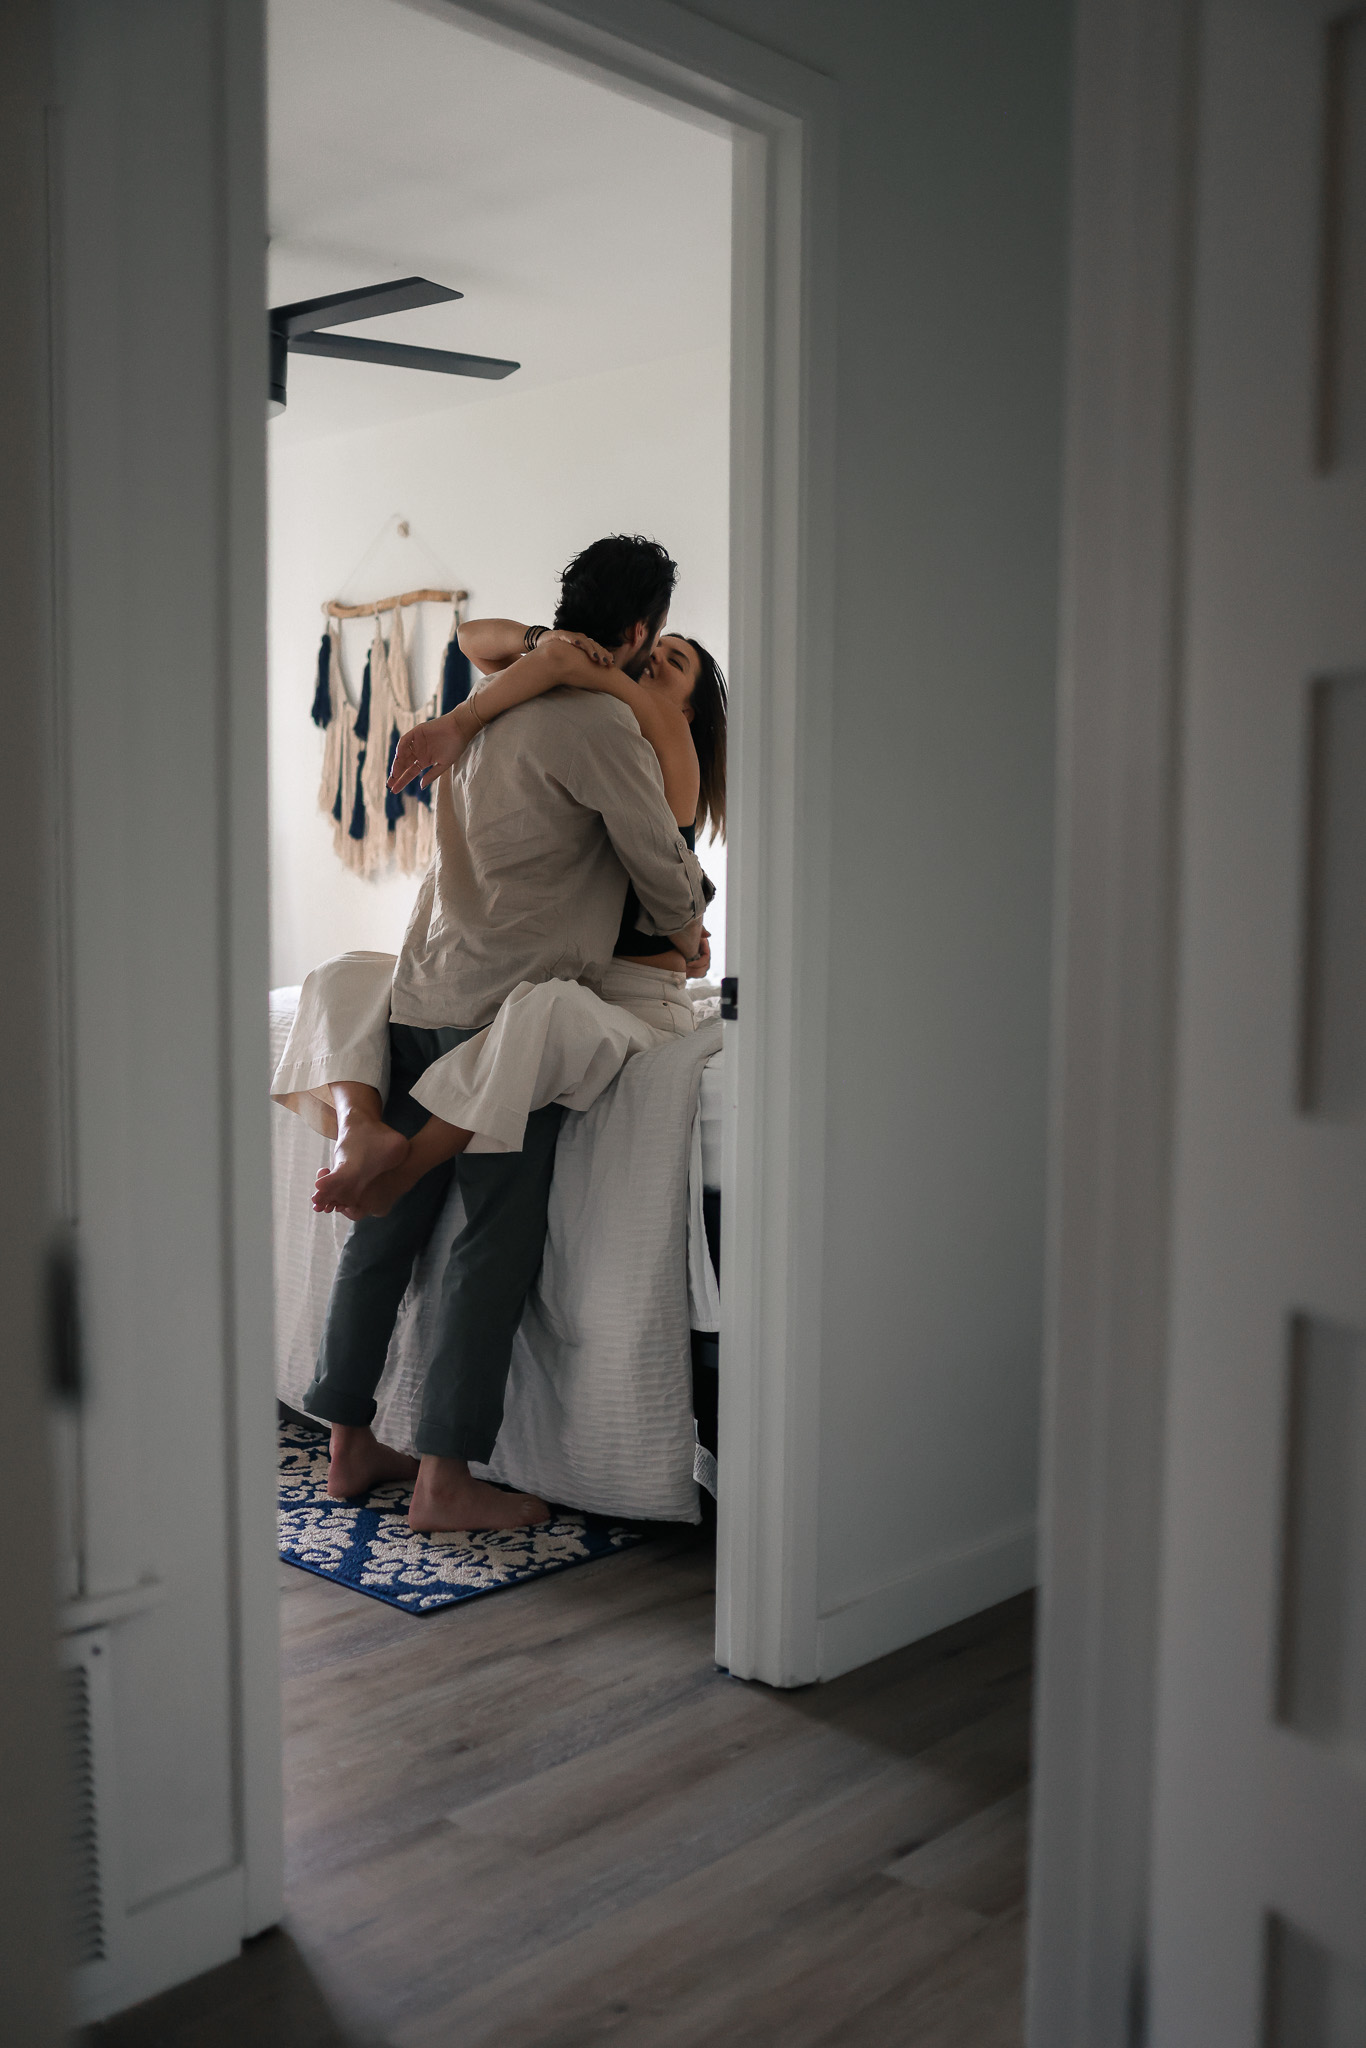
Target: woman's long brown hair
709 738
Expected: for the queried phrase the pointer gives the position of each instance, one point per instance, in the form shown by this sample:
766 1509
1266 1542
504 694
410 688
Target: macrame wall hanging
371 828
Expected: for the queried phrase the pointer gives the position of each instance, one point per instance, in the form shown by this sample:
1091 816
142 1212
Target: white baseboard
175 1938
931 1597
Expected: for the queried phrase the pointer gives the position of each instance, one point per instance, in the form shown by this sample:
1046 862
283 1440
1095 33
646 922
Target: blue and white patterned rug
367 1545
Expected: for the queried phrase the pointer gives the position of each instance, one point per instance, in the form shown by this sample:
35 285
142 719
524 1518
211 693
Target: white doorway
400 141
342 459
180 1571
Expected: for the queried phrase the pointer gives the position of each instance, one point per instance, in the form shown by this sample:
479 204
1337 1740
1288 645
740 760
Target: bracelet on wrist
533 637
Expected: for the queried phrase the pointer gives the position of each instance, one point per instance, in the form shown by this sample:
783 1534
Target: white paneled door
1259 1922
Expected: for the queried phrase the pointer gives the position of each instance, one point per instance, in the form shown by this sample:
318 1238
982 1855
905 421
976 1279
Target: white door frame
166 350
1114 1021
32 1779
157 460
782 118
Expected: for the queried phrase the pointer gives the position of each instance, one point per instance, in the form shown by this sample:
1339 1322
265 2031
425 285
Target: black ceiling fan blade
353 348
295 328
365 302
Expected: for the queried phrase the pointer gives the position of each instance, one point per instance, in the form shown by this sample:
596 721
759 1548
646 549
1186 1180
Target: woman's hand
434 746
699 967
595 653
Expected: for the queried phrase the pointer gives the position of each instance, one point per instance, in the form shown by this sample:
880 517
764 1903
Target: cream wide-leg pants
551 1041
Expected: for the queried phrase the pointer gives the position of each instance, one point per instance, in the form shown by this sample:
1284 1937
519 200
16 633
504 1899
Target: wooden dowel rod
387 604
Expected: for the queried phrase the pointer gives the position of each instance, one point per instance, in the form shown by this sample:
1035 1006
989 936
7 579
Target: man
536 836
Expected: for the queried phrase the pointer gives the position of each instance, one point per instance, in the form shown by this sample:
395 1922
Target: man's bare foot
378 1196
360 1462
447 1496
365 1148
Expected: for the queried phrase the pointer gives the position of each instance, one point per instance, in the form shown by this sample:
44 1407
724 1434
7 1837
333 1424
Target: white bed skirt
599 1401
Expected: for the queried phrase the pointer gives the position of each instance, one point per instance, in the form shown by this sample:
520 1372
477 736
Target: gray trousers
492 1262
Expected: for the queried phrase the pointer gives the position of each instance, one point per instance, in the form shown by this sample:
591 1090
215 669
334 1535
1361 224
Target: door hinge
64 1367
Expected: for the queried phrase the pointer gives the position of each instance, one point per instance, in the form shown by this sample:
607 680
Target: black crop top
634 944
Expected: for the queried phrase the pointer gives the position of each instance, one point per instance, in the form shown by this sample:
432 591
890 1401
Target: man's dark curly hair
614 584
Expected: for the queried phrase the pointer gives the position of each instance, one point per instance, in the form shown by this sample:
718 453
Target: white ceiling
586 231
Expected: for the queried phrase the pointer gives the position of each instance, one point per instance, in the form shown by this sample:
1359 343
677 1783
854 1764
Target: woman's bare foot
447 1496
378 1196
359 1461
429 1147
365 1149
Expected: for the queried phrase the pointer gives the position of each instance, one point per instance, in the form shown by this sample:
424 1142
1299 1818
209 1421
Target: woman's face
673 671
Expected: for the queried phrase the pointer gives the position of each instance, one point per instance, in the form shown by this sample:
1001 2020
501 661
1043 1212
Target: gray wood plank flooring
545 1820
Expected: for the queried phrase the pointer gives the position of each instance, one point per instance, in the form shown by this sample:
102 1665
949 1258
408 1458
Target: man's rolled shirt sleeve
619 777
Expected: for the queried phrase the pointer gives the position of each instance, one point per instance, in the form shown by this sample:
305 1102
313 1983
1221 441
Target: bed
621 1328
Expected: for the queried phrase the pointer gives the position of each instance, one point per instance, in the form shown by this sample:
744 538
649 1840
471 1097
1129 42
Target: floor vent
85 1696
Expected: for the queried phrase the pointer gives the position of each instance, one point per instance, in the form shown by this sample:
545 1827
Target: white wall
951 197
503 493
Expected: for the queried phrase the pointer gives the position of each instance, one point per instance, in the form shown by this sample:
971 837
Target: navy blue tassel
357 826
455 679
322 695
393 805
322 707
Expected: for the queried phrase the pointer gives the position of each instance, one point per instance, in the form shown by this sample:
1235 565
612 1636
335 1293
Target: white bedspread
599 1399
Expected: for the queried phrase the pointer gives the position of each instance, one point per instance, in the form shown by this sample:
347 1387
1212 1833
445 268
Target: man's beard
637 665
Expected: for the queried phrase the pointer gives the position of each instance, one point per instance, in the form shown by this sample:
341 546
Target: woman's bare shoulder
586 709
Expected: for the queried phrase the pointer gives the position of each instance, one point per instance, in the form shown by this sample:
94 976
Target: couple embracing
552 938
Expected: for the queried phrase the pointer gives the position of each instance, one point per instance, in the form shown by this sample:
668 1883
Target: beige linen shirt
537 829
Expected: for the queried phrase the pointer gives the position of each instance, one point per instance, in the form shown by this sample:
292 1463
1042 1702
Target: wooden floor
545 1819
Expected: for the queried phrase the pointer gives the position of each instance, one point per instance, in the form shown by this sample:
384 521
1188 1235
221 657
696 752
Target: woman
556 1041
